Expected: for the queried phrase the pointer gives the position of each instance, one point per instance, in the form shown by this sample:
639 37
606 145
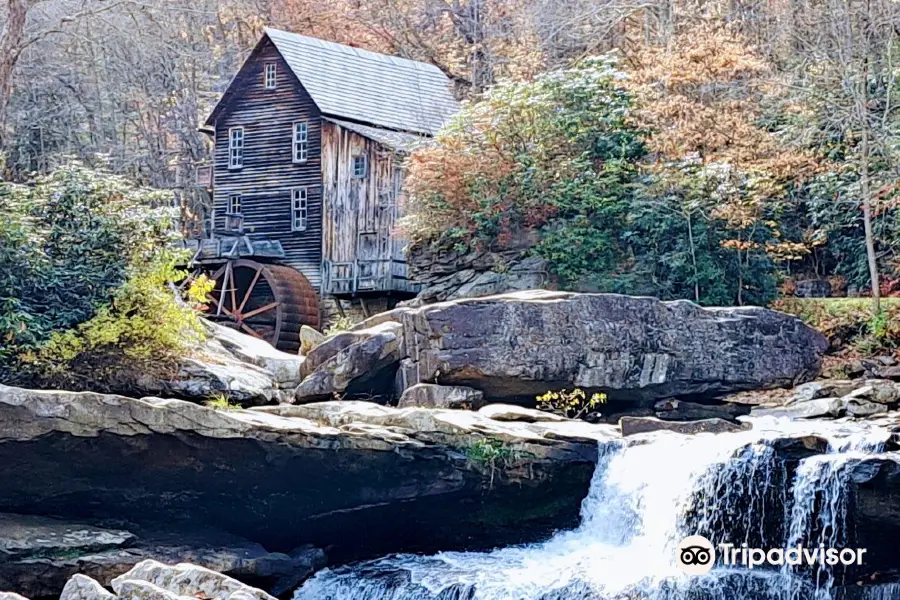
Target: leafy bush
85 280
556 155
686 245
574 404
492 455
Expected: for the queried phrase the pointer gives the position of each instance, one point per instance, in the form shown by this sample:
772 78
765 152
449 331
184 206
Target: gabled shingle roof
395 140
359 85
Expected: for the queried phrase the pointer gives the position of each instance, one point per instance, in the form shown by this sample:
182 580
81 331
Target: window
234 204
301 141
234 221
235 147
299 209
270 77
359 166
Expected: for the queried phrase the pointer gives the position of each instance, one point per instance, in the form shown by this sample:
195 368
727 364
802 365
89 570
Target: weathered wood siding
269 173
358 237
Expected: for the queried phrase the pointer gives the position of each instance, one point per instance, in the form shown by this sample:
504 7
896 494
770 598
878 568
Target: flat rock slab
23 536
38 555
633 348
636 425
284 476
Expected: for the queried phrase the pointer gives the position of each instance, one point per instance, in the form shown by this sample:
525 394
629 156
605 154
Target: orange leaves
702 94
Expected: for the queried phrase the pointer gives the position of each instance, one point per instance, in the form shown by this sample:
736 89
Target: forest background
717 151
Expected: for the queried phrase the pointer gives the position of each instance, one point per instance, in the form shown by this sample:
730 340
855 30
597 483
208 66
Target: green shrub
555 155
340 324
848 323
221 402
86 273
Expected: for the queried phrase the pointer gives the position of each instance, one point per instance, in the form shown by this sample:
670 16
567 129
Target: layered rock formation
118 480
151 580
450 275
38 554
280 477
515 346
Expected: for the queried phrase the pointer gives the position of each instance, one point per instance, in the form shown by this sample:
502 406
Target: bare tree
843 59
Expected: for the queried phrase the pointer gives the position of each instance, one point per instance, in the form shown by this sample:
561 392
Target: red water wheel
269 302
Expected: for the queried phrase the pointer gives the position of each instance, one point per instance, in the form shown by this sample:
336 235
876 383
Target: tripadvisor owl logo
695 555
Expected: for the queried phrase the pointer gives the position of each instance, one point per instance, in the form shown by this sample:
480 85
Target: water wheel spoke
221 308
249 290
230 272
260 310
249 330
218 302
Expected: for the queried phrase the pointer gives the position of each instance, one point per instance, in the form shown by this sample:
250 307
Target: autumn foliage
556 156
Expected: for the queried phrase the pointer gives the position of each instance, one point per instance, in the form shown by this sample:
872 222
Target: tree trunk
10 49
693 260
867 216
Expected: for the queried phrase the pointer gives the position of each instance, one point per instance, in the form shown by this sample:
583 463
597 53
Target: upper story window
234 204
301 141
360 165
235 147
299 209
270 78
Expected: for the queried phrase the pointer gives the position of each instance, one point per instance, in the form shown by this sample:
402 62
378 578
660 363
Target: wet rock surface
636 425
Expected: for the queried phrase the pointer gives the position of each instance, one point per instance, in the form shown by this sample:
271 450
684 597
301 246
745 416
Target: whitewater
646 495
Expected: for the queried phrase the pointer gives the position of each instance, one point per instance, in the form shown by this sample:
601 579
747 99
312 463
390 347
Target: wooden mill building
310 138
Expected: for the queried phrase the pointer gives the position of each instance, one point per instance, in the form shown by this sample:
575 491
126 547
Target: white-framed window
271 76
299 209
301 141
234 204
235 147
360 165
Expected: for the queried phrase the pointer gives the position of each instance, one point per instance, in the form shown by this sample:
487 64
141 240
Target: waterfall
644 498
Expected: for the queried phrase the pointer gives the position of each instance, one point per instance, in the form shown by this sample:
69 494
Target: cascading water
644 498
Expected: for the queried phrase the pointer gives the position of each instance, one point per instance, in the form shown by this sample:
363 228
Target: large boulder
230 364
283 476
363 362
188 580
429 395
636 349
82 587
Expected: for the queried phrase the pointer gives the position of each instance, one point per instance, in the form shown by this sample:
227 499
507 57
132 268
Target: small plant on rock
339 325
492 454
574 404
222 402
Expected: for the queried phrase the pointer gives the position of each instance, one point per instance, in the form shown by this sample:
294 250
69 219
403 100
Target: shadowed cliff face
362 485
283 497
